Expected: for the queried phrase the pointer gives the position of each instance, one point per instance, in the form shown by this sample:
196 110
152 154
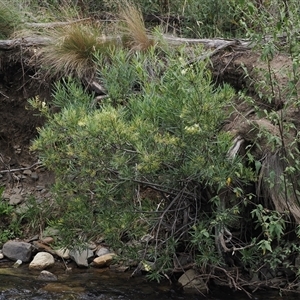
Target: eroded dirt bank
18 127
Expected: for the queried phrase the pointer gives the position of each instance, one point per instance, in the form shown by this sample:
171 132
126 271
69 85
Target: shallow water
89 284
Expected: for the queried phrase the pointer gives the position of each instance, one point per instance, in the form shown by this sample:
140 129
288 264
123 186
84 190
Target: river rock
41 261
17 264
191 281
42 247
81 257
103 260
102 251
17 250
63 253
47 276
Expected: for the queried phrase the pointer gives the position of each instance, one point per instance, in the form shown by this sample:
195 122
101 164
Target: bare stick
20 169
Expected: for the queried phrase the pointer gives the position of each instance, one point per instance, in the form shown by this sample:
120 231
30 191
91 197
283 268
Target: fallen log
43 41
24 42
211 43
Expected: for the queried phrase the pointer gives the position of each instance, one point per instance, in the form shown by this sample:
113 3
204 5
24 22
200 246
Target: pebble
34 176
15 199
17 263
47 276
27 172
39 187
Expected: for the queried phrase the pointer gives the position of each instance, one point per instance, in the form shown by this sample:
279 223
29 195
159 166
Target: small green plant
203 239
5 208
272 224
9 223
35 215
119 85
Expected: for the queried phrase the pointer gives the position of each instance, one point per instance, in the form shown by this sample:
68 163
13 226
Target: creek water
89 284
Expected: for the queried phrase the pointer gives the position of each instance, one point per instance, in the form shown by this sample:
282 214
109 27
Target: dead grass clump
133 27
73 49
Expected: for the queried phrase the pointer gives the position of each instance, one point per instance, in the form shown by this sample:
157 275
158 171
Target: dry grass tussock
10 19
133 27
73 49
74 46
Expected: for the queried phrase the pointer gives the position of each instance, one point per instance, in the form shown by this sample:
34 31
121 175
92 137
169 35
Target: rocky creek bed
90 284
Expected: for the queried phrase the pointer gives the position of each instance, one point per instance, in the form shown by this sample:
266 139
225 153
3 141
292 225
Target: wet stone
103 260
81 257
17 250
102 251
47 276
191 280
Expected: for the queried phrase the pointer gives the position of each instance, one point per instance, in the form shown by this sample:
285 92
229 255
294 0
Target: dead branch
210 43
215 51
42 41
20 169
24 42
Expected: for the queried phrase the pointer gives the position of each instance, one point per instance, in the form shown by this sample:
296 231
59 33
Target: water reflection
89 284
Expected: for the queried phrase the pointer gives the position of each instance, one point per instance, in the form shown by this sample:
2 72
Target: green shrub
129 166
